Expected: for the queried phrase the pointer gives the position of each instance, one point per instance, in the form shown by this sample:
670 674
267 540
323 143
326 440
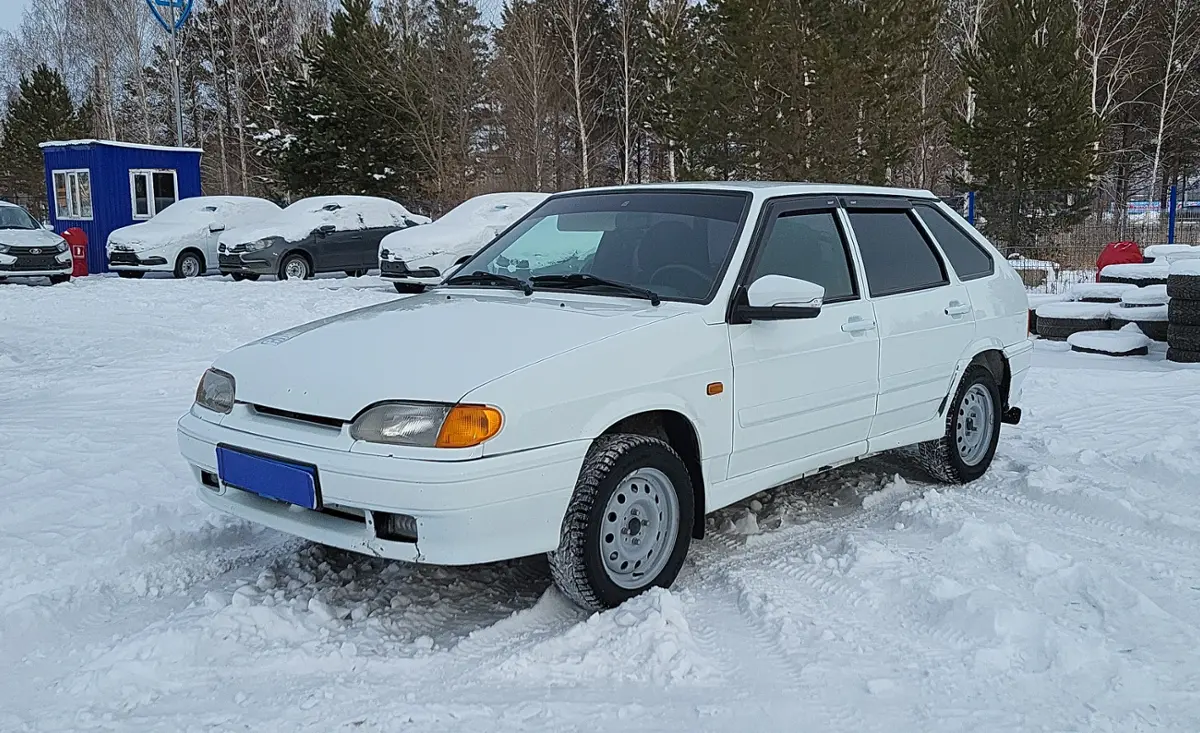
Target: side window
151 191
896 256
808 245
967 258
73 194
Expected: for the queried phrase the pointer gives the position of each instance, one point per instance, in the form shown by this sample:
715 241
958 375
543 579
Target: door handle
957 309
858 325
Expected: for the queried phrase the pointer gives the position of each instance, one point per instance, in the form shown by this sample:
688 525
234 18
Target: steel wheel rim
190 267
974 424
639 528
296 269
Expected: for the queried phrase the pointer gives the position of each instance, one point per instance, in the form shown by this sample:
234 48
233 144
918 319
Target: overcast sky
10 13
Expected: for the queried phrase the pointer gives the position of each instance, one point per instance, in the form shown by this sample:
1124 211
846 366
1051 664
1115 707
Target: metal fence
1053 244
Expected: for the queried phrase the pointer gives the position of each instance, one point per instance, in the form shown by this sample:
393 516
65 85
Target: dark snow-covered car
27 249
318 234
415 258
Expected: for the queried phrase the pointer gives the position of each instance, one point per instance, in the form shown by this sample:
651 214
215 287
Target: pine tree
41 111
1033 131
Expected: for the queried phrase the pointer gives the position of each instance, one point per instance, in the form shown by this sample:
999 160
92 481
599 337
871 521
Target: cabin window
73 194
151 191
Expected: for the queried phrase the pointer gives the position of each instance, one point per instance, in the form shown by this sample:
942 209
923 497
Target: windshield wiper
481 277
587 280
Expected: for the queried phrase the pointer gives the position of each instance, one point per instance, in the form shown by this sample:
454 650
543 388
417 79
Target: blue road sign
161 10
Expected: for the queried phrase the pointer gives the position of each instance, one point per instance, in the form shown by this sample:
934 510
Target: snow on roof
115 144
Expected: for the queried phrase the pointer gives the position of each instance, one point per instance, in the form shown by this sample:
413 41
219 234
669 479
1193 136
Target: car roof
769 189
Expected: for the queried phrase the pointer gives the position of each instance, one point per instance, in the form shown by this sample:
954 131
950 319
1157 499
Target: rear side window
808 246
896 256
967 257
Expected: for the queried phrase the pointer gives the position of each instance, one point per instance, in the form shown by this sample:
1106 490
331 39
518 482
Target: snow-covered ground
1059 593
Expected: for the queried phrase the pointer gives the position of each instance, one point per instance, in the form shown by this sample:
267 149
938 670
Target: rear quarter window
968 258
897 258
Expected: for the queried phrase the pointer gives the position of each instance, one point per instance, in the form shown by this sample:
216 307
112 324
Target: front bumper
467 512
19 264
398 270
124 260
255 263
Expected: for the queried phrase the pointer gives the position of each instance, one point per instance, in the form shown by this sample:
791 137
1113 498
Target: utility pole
175 74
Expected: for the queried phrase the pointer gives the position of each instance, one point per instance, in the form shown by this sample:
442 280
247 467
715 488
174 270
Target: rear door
804 388
923 312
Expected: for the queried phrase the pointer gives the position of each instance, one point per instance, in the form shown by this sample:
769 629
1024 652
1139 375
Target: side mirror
778 298
48 226
216 227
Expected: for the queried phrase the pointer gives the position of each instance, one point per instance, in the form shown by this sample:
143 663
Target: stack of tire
1145 308
1151 273
1183 312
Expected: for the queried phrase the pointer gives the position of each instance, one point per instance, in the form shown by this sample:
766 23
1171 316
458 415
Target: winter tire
1032 328
59 279
295 267
1183 287
1154 330
628 525
409 288
1184 338
1181 356
1059 328
964 453
131 274
1185 312
189 264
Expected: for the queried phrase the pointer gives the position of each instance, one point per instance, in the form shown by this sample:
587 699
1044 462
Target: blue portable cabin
102 185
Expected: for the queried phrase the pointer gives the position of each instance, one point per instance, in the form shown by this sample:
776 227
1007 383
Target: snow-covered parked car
28 249
415 258
681 348
183 238
318 234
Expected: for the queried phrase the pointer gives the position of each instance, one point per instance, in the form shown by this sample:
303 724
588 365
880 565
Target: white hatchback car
683 347
182 238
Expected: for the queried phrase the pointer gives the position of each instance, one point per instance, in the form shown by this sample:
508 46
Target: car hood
151 235
29 238
435 347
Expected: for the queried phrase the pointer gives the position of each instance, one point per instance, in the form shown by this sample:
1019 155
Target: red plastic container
1118 253
77 240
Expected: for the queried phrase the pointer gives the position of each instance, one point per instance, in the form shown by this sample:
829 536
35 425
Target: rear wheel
295 267
966 450
629 523
131 274
189 264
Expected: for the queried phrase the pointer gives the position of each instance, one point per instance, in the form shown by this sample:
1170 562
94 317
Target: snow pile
1074 311
646 640
1037 299
345 213
1152 271
461 231
1117 343
1147 295
1189 267
1105 292
1171 252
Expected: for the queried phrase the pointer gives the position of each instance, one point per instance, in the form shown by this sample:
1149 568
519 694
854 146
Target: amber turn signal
469 425
715 388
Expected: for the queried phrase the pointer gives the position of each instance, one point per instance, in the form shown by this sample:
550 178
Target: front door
925 318
803 388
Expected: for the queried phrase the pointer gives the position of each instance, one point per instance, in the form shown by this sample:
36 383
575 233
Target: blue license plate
273 478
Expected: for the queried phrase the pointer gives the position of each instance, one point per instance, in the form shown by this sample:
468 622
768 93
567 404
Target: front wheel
294 267
189 264
965 452
629 523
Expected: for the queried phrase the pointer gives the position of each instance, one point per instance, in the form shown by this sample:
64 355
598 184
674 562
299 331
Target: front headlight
216 391
427 425
3 248
62 246
259 244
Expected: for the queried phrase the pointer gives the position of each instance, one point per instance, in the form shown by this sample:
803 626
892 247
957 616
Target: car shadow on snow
414 608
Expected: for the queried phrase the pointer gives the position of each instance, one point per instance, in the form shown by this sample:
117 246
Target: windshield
673 243
14 217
